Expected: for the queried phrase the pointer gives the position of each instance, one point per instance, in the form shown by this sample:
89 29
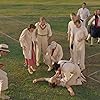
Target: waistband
42 35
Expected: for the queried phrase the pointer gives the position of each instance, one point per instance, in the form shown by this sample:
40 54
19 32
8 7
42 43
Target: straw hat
4 47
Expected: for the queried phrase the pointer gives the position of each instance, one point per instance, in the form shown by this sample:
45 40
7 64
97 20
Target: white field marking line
93 73
10 17
94 79
9 36
93 55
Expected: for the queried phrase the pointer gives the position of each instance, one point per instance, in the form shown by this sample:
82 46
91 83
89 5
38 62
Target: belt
42 35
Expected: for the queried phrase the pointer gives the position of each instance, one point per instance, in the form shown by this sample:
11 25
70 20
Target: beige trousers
76 74
42 44
79 56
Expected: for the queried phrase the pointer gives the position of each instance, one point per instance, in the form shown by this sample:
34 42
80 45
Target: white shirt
67 69
46 31
71 25
83 13
79 33
92 21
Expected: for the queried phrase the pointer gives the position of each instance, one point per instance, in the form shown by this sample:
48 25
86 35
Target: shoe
29 70
37 64
91 45
33 69
49 69
25 65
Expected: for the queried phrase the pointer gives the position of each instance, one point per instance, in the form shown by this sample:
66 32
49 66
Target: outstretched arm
42 79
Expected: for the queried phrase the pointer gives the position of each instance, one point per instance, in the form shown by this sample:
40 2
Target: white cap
4 47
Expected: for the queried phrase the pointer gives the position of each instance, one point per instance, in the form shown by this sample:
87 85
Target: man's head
77 23
42 20
4 49
98 12
53 45
84 5
31 27
73 16
56 66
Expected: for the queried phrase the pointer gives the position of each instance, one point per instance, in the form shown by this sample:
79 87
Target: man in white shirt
54 53
44 33
71 74
71 26
79 34
83 13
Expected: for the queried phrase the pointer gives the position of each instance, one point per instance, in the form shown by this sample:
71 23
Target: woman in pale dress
28 41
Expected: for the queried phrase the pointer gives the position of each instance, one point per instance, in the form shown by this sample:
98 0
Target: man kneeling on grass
67 74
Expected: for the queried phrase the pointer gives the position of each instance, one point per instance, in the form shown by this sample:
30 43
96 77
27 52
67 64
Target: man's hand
24 47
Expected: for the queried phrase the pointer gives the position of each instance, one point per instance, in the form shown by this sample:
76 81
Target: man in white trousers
79 34
44 33
71 25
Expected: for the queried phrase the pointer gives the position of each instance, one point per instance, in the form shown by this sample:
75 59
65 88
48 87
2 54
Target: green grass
15 15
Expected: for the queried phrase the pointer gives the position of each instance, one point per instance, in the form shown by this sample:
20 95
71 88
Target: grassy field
15 15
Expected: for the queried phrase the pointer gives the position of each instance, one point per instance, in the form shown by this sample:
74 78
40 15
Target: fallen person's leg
70 90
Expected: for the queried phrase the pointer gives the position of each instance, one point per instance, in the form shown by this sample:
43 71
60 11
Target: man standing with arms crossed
44 33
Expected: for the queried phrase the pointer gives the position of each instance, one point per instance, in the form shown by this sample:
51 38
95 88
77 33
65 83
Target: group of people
34 41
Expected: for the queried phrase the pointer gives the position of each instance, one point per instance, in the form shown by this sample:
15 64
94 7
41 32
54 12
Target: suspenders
63 64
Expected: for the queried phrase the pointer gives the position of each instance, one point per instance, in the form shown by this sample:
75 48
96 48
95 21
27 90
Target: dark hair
31 26
77 21
56 66
53 85
84 3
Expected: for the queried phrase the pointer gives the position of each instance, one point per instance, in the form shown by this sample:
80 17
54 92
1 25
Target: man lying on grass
67 74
